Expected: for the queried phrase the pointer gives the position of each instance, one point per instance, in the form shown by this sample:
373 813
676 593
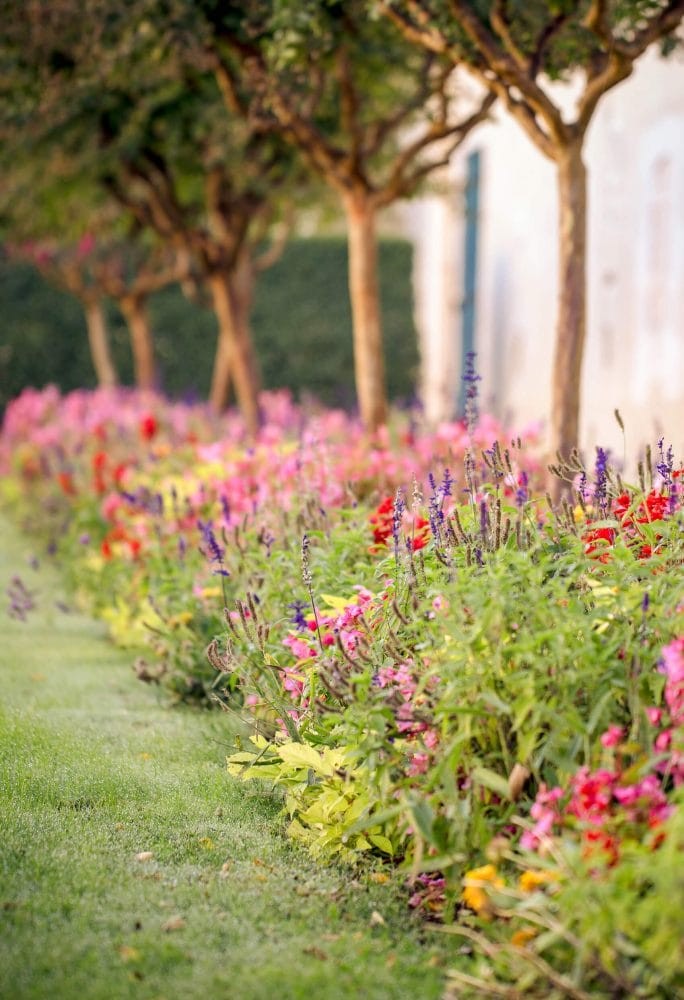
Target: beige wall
634 357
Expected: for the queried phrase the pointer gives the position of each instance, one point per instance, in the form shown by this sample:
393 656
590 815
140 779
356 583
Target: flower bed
438 669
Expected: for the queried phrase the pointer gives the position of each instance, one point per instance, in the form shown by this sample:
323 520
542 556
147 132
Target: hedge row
301 321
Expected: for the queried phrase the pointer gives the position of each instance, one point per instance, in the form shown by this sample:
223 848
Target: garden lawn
95 769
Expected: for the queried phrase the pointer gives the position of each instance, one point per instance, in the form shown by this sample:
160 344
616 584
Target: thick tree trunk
234 354
570 332
369 363
99 344
142 345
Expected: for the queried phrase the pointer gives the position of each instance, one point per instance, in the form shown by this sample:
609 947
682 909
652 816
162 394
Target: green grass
94 769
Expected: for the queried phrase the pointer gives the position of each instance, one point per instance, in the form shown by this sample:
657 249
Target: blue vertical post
472 198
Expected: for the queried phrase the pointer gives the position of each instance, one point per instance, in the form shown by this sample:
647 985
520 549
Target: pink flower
418 765
673 668
654 715
612 736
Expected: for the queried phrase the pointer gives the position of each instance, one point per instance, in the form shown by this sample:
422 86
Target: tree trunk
234 354
142 345
369 364
99 344
570 332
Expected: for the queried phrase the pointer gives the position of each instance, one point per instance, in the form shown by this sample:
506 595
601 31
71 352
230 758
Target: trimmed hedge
301 322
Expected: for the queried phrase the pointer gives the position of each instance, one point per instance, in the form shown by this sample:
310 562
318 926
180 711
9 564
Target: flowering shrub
436 668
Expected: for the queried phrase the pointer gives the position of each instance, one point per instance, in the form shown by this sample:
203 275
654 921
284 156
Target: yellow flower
474 894
531 880
182 618
578 515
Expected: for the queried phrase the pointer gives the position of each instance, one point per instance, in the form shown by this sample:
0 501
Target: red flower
119 473
383 523
594 537
66 482
653 508
148 427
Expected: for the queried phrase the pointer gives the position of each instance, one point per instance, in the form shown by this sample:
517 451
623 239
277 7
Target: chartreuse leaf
303 755
334 602
383 844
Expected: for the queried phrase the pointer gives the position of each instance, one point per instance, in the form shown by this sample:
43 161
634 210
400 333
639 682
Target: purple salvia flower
298 619
397 514
225 507
434 508
582 488
484 519
601 481
521 493
470 379
215 551
21 599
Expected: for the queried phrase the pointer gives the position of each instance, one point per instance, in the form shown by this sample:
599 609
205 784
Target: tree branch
402 181
499 21
663 24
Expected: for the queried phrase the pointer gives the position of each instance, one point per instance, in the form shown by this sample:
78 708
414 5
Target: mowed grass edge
96 769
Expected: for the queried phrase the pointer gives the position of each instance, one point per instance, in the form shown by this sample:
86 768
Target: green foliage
301 319
573 930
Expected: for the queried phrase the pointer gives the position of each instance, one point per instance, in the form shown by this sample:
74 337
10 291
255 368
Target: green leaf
382 843
491 780
423 817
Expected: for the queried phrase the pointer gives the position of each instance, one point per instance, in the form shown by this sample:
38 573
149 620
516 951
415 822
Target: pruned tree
64 268
518 51
108 90
372 117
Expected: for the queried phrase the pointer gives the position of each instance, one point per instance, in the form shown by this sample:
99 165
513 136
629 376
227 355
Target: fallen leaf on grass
315 953
175 923
129 954
377 919
144 856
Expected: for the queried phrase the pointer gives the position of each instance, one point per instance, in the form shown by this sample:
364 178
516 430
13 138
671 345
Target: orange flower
520 938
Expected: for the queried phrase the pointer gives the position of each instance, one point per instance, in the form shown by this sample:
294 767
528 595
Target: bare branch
402 181
616 69
492 66
280 236
545 36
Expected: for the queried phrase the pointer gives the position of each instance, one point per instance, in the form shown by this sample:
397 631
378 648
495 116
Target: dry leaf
144 856
129 954
377 919
516 781
315 953
175 923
